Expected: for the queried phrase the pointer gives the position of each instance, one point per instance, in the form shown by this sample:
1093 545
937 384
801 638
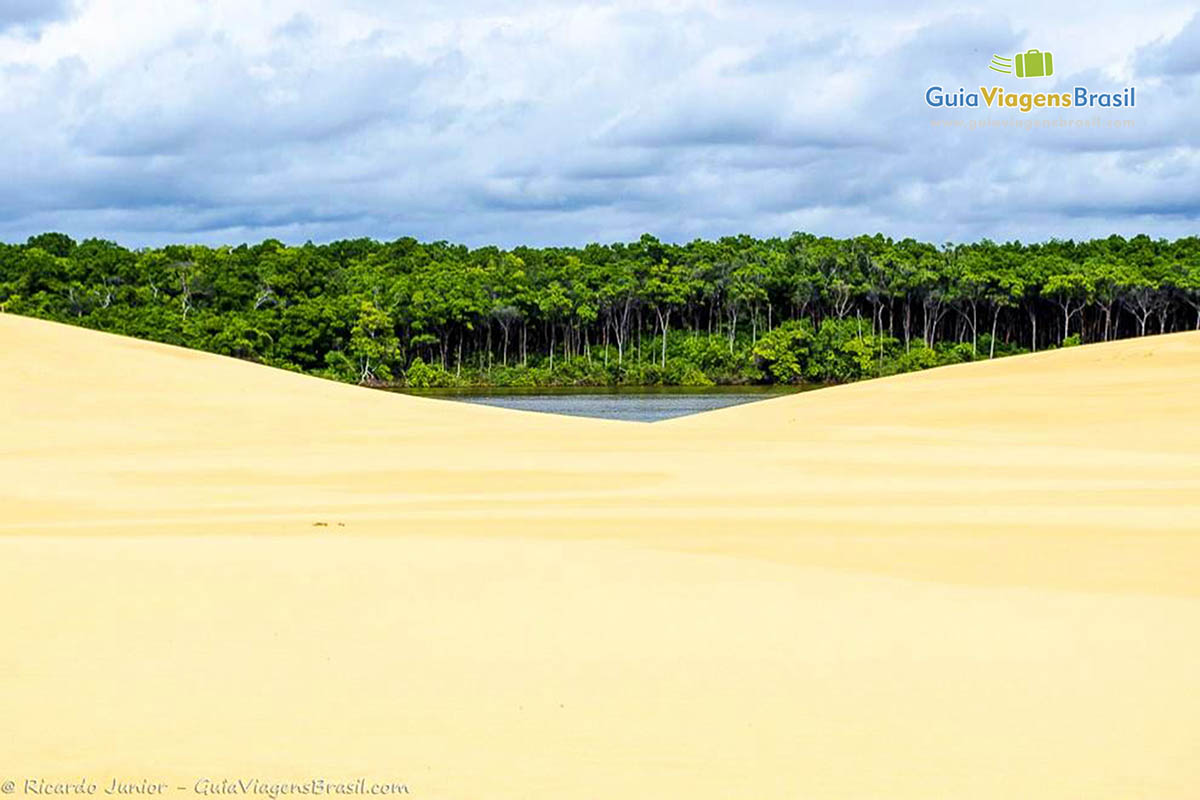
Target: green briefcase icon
1034 64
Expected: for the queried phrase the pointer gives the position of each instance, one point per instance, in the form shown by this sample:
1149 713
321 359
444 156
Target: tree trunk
664 322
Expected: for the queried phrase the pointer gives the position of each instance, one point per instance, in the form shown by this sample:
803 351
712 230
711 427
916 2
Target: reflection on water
634 405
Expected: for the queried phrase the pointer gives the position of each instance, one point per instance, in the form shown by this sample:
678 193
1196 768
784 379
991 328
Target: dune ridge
978 581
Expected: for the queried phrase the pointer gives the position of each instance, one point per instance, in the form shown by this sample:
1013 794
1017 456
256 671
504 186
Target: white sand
976 582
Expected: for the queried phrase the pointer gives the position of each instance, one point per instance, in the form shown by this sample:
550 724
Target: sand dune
981 581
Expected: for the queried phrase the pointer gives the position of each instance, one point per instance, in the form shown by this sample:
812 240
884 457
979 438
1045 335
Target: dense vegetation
740 309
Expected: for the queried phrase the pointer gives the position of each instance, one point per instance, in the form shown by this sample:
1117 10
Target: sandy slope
981 581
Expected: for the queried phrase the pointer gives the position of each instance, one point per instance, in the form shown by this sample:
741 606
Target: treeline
739 309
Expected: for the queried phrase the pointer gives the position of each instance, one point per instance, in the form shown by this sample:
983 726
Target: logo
1030 64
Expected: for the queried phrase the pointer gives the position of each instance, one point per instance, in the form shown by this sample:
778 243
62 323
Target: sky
549 123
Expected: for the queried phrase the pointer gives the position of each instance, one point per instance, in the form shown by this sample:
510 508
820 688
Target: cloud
27 16
784 52
550 123
1174 56
299 26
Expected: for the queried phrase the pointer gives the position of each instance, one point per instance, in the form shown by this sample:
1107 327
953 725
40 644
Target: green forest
736 310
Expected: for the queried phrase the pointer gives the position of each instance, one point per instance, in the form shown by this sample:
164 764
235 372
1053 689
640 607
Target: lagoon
628 403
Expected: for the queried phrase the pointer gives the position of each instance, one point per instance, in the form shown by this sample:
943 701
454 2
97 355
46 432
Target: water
633 404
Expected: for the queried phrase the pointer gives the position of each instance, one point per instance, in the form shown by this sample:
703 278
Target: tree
1141 296
666 288
373 344
1071 289
362 310
783 353
58 245
1188 281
